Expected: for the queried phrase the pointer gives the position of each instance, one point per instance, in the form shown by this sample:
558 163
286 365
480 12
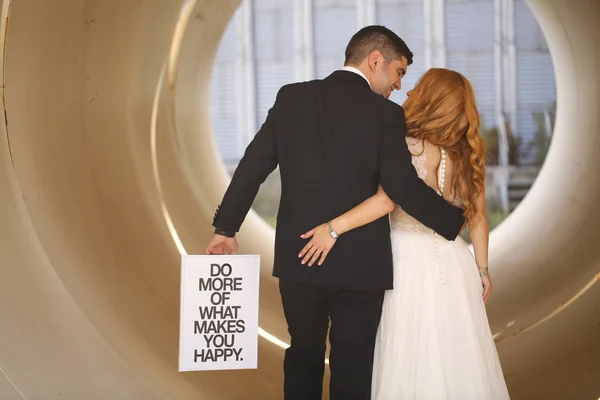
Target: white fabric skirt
434 340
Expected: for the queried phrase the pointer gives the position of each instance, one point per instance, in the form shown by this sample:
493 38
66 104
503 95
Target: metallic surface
108 172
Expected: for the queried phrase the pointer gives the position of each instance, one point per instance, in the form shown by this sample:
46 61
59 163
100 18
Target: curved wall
109 172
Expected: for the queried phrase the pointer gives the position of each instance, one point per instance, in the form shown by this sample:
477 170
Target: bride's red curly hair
442 110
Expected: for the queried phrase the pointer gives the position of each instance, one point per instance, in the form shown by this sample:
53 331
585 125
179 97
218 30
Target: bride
434 340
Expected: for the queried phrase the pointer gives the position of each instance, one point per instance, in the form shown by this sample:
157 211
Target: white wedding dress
434 340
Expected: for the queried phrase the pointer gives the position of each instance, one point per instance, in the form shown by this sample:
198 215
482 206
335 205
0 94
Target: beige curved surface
109 171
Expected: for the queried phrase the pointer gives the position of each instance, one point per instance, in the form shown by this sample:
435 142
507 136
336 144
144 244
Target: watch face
332 231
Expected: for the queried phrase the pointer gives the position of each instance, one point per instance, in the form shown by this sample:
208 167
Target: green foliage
541 140
491 138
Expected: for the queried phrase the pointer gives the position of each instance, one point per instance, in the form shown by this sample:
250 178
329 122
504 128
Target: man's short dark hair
376 37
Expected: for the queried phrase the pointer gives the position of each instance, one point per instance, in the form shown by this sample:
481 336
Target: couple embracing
367 248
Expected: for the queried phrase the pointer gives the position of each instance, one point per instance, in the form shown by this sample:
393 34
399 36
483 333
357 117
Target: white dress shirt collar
356 71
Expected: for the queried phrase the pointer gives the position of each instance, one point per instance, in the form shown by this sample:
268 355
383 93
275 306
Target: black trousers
354 319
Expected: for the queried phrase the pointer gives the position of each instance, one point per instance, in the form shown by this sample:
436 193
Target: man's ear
374 58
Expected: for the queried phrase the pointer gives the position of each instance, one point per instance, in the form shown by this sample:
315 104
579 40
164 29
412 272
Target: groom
335 140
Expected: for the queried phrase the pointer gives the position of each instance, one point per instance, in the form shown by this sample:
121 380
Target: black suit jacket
334 141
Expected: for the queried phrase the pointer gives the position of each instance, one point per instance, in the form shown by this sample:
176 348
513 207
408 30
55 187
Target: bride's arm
479 231
366 212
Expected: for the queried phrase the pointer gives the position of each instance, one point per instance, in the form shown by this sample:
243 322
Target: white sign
219 312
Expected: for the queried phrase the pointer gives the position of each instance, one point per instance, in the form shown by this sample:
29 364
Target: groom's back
328 147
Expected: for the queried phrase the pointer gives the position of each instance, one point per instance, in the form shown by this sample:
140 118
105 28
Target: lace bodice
399 219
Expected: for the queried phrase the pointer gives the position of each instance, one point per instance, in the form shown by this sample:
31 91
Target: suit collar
358 72
350 77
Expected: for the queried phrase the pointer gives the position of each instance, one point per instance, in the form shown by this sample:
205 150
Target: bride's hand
487 287
320 245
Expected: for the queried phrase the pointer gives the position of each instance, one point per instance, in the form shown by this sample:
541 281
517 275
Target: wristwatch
332 231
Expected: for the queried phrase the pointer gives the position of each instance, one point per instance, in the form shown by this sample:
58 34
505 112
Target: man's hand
221 244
